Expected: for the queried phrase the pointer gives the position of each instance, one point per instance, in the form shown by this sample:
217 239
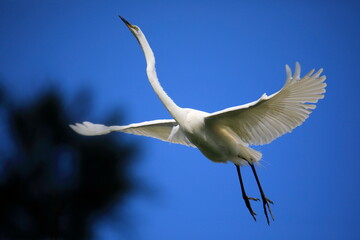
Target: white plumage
255 123
225 135
269 117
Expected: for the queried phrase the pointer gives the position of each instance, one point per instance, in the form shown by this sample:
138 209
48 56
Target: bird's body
218 143
225 135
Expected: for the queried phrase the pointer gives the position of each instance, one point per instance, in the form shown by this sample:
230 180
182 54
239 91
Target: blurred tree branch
56 182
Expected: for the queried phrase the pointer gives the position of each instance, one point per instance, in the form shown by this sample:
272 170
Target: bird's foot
266 206
248 205
251 198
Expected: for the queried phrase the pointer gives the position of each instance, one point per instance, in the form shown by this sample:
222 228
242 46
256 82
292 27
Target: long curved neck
152 76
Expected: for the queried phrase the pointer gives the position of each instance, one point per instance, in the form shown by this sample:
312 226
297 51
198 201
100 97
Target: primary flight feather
226 135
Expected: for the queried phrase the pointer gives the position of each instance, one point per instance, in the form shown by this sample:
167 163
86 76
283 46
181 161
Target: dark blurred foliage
56 183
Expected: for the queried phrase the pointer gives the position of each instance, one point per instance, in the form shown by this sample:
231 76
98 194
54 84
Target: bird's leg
265 200
245 197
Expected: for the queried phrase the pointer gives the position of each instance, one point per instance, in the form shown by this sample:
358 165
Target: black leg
265 200
245 197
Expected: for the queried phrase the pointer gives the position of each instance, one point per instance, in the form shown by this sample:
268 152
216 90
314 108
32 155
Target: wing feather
166 130
269 117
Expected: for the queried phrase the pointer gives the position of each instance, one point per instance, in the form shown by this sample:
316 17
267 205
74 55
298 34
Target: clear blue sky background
210 55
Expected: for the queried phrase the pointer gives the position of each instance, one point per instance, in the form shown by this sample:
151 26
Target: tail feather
248 154
255 155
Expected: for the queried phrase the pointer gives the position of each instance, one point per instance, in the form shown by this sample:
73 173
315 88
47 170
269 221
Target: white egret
226 135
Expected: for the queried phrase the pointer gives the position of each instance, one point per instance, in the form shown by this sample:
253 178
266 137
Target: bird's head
134 29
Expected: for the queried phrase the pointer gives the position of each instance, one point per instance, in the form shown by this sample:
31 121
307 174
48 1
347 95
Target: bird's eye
136 28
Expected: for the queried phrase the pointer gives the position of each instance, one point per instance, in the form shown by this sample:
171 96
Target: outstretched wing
269 117
166 130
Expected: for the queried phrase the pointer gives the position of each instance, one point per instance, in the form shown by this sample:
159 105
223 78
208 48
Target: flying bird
226 135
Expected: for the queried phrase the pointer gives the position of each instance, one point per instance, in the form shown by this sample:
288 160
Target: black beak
125 21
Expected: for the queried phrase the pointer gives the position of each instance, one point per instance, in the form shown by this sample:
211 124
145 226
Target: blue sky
210 55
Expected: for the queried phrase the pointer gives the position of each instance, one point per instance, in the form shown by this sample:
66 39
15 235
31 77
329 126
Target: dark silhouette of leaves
56 182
